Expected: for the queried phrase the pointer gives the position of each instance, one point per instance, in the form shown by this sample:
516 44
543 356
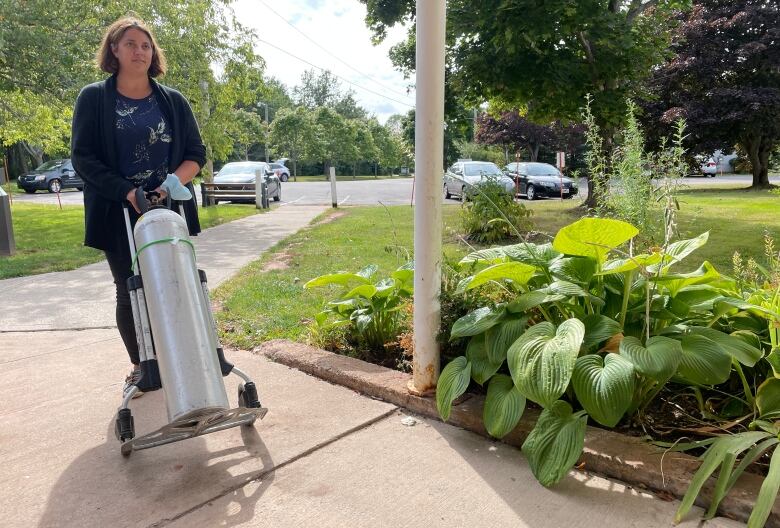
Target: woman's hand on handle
131 198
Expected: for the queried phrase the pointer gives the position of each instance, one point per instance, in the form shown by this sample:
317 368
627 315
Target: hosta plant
371 311
593 331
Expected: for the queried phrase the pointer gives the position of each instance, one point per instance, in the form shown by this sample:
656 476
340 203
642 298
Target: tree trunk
759 149
375 167
354 171
534 151
295 170
36 153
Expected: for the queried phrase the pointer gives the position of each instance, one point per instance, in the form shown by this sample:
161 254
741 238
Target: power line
331 54
335 75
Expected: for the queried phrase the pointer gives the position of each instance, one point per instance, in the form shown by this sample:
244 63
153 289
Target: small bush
493 215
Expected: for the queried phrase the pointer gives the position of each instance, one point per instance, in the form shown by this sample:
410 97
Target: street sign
560 160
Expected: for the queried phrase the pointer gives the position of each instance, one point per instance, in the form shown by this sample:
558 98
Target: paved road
367 192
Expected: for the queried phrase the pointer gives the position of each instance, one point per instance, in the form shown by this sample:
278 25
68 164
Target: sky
338 26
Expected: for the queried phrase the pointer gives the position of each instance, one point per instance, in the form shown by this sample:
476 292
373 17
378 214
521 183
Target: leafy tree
324 89
724 80
291 132
274 93
515 132
543 56
334 138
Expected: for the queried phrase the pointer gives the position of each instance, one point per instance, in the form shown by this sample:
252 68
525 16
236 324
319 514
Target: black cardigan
93 153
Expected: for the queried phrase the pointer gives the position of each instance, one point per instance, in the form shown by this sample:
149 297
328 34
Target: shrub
492 215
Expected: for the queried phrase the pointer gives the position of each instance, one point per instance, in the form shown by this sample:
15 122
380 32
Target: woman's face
134 52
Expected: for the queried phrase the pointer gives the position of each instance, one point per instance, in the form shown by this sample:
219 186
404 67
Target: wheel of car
30 191
530 193
284 177
55 185
447 194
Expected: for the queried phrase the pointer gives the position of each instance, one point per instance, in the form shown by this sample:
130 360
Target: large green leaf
368 271
574 269
342 279
453 381
560 287
476 322
604 386
499 338
504 405
628 264
555 443
516 272
599 328
542 360
532 299
364 290
659 361
741 350
768 399
703 362
541 255
482 368
593 237
674 283
682 248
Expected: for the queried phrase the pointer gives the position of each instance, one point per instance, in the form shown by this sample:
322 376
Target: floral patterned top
143 141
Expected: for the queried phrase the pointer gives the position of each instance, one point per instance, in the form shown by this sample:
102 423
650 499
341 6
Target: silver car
464 176
244 172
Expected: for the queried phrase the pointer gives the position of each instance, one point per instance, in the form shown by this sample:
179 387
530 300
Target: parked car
282 172
463 177
243 172
536 180
53 176
709 168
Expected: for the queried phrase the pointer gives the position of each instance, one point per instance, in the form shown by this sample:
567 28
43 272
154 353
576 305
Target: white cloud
339 27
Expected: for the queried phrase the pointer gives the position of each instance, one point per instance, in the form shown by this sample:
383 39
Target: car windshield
276 166
53 164
232 169
477 169
541 169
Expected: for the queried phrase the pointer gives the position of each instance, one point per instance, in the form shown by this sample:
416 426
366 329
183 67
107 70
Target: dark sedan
53 176
538 180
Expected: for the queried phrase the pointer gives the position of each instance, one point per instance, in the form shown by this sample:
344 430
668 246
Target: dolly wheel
247 396
125 426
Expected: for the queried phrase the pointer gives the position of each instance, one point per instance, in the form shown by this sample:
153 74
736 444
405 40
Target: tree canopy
724 80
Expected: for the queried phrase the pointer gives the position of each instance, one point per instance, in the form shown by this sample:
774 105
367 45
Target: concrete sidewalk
324 455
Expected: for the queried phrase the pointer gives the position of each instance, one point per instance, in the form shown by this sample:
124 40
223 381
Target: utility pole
204 88
265 141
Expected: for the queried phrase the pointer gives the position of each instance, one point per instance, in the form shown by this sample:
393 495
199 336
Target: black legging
120 263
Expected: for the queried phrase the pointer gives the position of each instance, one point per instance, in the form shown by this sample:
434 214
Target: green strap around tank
172 240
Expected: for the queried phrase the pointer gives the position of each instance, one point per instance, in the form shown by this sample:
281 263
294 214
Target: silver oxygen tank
180 319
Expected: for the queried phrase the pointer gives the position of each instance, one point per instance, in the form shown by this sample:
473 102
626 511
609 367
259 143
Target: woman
128 132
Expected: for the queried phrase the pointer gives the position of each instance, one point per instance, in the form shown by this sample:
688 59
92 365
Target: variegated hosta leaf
604 386
482 368
476 322
499 338
453 381
555 443
703 362
659 361
542 360
593 237
504 405
682 248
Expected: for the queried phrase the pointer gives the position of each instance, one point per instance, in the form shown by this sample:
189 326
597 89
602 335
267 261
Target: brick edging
607 453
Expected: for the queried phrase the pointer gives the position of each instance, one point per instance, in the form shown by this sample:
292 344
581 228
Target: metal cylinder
184 339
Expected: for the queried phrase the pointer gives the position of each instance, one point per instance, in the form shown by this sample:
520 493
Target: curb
606 453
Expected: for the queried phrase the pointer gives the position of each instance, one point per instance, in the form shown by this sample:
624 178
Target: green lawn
267 300
50 239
